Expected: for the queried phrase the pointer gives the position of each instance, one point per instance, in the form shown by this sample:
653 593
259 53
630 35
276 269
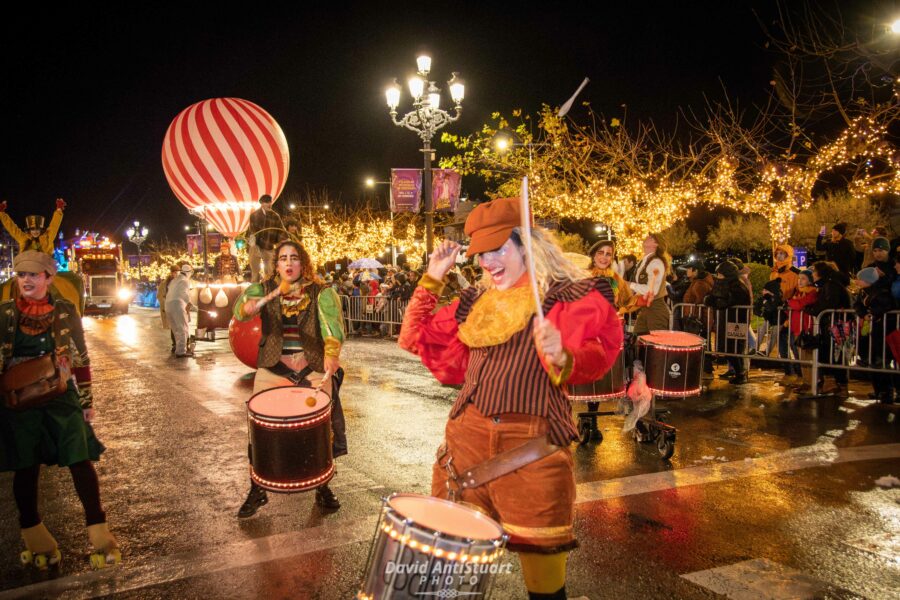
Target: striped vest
509 377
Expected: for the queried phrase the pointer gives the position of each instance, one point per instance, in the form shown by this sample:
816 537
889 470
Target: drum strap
498 466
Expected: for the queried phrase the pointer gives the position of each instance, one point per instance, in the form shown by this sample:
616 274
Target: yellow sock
544 573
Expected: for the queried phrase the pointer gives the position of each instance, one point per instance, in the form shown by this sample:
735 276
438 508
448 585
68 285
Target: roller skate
41 549
106 550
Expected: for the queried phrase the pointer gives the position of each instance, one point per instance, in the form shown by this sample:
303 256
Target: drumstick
283 288
324 380
529 256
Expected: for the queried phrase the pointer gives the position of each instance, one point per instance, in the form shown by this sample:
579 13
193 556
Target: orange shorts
535 504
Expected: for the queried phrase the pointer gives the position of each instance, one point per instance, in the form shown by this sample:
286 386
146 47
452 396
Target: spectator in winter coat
832 295
727 292
873 302
881 258
800 323
839 249
783 268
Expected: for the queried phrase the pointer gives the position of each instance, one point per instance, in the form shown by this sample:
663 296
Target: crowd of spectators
860 276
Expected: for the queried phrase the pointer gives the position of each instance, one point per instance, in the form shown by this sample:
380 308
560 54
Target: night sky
87 94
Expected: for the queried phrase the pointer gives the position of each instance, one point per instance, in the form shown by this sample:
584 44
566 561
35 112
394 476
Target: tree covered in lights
833 99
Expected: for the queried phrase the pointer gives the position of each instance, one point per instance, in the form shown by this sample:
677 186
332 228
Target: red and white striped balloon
221 155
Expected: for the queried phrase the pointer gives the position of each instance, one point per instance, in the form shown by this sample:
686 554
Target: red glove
60 203
3 206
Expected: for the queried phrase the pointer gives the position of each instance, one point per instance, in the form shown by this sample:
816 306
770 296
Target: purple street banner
406 190
133 260
445 186
195 243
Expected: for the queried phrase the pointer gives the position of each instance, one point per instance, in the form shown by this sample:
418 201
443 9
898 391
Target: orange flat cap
491 223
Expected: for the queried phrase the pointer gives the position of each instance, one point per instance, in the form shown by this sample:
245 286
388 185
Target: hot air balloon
221 155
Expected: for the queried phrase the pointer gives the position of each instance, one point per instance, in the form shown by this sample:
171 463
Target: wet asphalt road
767 496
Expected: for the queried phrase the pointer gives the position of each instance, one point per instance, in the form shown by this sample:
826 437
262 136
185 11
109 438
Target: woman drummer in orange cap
511 424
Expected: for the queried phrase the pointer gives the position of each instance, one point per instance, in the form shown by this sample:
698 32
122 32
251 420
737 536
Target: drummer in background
603 262
302 334
512 371
650 286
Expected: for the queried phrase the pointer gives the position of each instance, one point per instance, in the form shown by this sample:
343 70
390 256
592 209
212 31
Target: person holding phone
838 249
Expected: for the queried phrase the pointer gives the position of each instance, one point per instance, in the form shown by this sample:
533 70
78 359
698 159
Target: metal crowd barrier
363 313
844 347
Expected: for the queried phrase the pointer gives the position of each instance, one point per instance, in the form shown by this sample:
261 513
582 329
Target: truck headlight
124 294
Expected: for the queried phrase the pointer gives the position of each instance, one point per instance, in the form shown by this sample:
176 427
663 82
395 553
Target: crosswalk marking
761 579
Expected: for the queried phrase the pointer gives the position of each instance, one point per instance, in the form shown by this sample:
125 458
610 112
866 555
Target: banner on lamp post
195 243
445 186
406 190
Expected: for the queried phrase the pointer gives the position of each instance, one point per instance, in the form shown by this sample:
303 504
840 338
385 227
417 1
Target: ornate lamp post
137 235
426 119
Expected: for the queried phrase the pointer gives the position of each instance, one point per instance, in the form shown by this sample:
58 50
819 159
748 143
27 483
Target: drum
290 436
610 386
673 362
426 547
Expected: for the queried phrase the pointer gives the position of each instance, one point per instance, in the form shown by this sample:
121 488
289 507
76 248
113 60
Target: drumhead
671 338
445 516
287 401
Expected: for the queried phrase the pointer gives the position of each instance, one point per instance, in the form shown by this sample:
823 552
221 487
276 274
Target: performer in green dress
59 431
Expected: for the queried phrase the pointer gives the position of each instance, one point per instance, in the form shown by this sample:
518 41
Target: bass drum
673 362
290 439
610 386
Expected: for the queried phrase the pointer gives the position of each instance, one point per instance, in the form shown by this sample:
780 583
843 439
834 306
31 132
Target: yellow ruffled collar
496 316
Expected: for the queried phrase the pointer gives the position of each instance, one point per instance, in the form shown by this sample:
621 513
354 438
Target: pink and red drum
673 362
432 548
609 387
290 435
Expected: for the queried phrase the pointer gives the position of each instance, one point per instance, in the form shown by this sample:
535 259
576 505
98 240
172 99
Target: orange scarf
36 315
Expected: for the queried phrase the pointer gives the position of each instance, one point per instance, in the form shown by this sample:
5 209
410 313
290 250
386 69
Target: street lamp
137 235
426 119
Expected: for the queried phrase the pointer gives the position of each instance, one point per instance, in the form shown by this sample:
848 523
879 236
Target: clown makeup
506 264
603 257
33 286
289 263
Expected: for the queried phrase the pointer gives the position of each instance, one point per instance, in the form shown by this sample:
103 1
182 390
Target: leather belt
505 463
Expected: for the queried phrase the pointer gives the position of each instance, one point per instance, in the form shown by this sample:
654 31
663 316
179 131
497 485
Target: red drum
290 435
431 548
673 362
610 386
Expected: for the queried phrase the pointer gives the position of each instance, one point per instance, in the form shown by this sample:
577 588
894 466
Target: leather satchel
34 382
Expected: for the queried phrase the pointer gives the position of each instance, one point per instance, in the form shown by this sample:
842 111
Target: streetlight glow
895 26
423 62
416 87
434 98
370 182
457 88
292 206
502 144
392 94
